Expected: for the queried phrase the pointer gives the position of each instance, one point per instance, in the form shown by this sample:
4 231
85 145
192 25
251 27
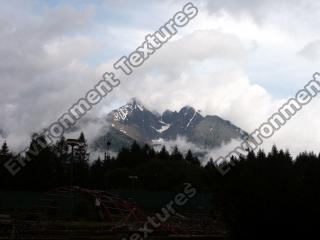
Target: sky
240 60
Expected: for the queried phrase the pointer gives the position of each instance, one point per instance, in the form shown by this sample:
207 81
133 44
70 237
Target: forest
266 195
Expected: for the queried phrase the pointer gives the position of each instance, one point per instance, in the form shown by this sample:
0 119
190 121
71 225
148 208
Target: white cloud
205 154
311 51
237 59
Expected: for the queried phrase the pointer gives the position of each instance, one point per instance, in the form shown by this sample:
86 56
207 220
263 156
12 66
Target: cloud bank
238 59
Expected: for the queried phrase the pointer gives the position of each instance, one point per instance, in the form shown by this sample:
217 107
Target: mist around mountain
187 128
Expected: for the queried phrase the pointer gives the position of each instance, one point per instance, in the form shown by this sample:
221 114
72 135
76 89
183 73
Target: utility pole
72 143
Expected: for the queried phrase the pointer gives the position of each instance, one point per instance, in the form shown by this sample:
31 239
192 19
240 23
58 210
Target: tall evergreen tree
4 149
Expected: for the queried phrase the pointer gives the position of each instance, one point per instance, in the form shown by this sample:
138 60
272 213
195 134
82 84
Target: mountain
134 122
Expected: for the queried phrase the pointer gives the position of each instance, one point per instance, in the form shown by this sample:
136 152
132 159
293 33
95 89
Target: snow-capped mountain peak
134 122
123 112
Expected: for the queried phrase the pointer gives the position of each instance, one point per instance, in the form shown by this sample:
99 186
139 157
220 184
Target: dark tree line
265 196
138 167
273 196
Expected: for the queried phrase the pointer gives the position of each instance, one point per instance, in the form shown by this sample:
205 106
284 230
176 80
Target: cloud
238 59
205 154
264 10
41 69
204 70
311 51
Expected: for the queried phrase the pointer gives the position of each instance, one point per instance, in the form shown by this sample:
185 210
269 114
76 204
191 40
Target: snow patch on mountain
123 112
123 131
164 128
192 118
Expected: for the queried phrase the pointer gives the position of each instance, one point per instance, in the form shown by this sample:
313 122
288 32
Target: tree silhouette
263 196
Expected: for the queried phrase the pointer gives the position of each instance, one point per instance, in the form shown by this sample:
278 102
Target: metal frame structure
125 216
112 208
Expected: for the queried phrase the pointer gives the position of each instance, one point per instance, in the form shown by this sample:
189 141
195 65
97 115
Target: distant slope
134 122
